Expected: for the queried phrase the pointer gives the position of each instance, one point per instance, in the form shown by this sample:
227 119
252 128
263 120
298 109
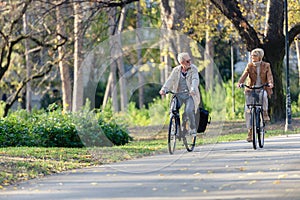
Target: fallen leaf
282 176
242 168
276 182
252 182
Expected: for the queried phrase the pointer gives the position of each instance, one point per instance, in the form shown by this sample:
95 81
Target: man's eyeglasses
188 61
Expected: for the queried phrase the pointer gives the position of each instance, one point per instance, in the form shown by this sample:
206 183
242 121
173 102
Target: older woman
185 77
259 73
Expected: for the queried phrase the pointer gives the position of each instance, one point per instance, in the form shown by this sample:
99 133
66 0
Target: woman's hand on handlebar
270 85
240 85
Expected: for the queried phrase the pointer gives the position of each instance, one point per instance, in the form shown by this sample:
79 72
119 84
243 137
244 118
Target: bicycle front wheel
172 135
261 133
254 127
189 140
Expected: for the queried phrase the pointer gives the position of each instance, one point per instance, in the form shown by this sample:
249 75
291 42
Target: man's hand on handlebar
162 92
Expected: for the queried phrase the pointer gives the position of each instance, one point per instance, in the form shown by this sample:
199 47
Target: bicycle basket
254 97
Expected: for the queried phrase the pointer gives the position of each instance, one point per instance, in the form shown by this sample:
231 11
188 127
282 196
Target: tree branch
12 99
295 30
20 16
231 10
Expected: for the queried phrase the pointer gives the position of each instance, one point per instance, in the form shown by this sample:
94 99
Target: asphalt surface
231 170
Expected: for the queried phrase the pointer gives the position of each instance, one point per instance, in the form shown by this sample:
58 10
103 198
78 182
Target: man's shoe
266 116
193 132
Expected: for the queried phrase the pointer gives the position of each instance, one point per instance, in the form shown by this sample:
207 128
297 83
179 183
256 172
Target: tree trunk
274 47
28 66
78 40
120 62
139 57
208 55
297 43
113 65
64 68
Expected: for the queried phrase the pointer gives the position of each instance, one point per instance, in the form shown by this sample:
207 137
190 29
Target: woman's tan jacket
265 75
192 80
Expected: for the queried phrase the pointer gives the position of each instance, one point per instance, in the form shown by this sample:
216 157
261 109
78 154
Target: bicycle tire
172 134
189 140
261 133
254 130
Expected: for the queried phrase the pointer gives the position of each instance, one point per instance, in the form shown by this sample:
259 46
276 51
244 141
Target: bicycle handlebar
254 87
171 92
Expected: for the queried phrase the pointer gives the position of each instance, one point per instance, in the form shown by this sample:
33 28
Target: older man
184 77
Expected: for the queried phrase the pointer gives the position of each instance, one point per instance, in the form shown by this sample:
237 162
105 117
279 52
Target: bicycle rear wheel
172 135
261 133
254 128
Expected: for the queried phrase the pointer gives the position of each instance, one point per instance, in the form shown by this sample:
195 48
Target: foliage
155 115
295 109
58 129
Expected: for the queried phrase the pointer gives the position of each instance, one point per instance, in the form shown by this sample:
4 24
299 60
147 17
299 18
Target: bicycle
254 102
178 131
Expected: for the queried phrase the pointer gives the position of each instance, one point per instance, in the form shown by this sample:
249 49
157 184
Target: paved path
230 170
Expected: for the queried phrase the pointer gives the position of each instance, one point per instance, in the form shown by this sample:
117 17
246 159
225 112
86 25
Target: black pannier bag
202 119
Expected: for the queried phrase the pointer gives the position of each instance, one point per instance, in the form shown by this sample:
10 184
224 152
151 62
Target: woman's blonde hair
258 52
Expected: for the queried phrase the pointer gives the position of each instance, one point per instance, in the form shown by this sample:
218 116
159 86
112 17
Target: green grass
24 163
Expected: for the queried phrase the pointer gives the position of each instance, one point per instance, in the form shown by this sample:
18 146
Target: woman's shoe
266 116
249 138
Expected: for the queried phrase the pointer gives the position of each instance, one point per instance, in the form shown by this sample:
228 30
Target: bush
116 133
55 129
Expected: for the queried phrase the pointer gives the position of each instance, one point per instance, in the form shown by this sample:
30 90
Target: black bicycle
254 102
178 131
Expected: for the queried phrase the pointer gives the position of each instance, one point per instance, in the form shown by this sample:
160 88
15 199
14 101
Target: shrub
55 129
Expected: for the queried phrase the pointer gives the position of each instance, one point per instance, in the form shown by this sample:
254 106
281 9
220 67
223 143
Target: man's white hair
181 55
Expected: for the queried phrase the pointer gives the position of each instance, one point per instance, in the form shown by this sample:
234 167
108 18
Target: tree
272 41
78 57
64 66
12 47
